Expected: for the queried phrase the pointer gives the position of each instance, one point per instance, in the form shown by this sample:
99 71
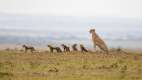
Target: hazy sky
120 8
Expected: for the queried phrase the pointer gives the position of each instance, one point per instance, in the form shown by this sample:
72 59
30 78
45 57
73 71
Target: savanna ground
16 65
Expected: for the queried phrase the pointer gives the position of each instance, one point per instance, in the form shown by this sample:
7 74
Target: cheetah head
92 30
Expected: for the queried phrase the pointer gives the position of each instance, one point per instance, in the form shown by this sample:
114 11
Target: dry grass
70 66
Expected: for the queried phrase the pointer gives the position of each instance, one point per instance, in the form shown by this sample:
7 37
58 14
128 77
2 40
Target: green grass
70 66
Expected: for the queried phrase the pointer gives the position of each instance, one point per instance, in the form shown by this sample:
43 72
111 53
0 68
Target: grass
16 65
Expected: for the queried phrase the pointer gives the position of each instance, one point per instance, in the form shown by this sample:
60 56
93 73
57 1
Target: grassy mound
70 66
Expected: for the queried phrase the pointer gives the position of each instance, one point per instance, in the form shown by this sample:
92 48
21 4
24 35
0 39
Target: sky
119 8
126 10
95 8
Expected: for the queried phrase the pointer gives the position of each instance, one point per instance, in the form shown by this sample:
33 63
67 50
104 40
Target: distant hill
41 29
